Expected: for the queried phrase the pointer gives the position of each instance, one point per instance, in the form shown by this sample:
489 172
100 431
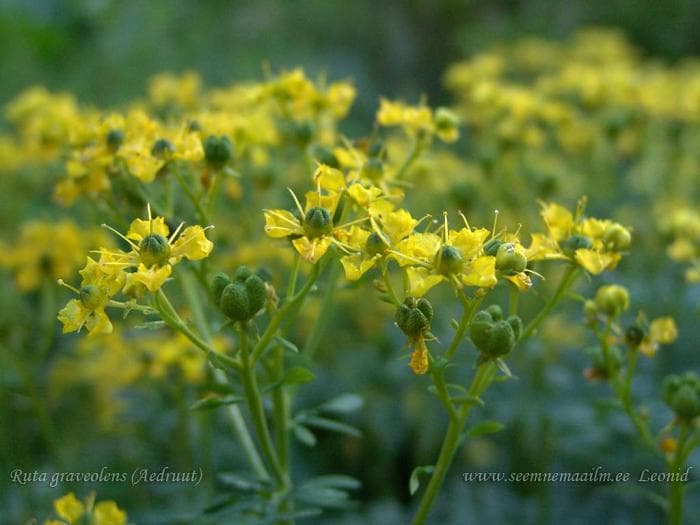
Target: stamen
61 282
131 243
466 223
296 201
495 222
175 233
446 233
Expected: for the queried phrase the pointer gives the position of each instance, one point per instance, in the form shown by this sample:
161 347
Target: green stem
416 149
470 308
281 314
389 287
675 488
257 411
280 407
566 281
203 215
314 338
483 377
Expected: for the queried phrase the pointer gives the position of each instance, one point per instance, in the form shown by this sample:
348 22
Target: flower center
154 249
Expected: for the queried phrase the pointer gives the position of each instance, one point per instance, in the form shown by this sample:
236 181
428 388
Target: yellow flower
153 253
314 233
69 508
662 331
457 255
96 289
72 511
594 244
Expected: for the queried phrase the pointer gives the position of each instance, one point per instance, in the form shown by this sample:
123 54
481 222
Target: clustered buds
493 335
682 394
243 297
603 367
414 317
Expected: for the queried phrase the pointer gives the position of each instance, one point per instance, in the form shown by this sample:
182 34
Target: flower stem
257 411
566 281
675 488
481 381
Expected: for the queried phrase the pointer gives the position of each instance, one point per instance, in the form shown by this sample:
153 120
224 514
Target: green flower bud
154 249
634 335
376 150
617 237
325 156
502 339
257 294
575 242
480 329
445 119
508 260
682 394
612 300
449 260
495 312
162 148
590 311
375 244
517 325
373 169
234 302
242 273
414 317
598 360
91 296
493 335
317 222
492 246
686 402
115 138
220 281
217 150
194 126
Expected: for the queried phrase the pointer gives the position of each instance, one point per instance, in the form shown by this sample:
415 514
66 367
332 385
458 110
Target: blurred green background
104 51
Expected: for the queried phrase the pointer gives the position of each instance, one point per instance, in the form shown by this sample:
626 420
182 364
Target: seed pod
217 150
491 247
242 273
375 244
163 149
114 139
480 329
509 261
154 249
91 296
234 302
682 394
220 281
414 317
449 260
502 339
257 294
575 242
495 312
517 325
317 222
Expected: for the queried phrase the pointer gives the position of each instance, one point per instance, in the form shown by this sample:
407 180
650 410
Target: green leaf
211 402
337 481
286 344
298 375
414 481
332 425
304 435
503 367
343 404
485 427
240 482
